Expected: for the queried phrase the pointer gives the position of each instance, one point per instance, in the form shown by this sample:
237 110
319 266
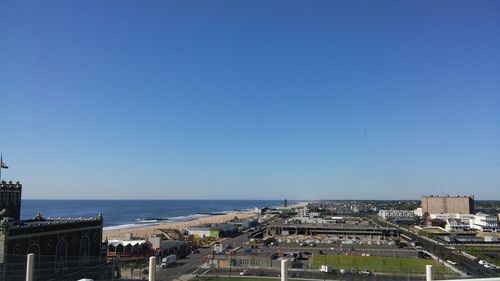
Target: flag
3 165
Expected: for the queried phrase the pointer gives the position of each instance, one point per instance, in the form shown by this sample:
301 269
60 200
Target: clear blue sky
251 99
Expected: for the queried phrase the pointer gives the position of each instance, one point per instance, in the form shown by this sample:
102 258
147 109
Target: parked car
365 272
168 260
326 269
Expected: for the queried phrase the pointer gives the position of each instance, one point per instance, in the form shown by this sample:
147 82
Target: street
190 264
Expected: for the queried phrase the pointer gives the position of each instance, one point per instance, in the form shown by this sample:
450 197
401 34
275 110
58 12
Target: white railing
428 276
284 271
30 267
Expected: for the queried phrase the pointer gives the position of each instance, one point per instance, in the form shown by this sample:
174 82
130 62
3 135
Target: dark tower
10 200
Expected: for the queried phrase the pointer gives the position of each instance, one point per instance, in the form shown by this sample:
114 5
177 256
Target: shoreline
147 229
141 230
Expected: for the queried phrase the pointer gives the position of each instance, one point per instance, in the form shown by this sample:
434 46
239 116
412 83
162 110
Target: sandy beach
145 230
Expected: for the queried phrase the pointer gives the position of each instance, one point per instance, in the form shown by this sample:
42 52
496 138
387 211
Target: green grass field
380 264
242 278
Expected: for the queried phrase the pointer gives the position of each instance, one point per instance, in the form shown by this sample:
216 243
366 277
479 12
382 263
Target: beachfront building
215 230
129 249
60 244
242 224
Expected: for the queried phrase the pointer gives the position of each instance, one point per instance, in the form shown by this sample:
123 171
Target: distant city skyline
250 99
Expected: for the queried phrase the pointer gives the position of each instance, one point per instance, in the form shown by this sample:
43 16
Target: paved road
191 263
182 266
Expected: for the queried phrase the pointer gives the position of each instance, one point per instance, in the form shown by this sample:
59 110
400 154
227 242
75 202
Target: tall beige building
448 204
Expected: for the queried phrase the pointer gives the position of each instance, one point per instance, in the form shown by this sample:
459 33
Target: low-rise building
461 217
346 233
398 216
242 224
455 225
129 249
303 212
166 247
215 230
479 221
484 222
471 240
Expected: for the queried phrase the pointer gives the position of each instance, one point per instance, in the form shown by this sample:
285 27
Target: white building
400 215
479 221
199 231
461 217
336 220
215 230
484 222
456 225
244 223
304 212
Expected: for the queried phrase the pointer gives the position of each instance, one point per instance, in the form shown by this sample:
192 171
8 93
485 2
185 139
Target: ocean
124 213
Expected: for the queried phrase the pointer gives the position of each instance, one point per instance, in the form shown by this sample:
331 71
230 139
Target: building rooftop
125 243
206 225
9 185
332 226
40 222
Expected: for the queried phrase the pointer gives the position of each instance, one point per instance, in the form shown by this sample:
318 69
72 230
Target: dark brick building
68 248
10 200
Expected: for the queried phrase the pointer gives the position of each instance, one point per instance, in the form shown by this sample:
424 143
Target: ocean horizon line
131 199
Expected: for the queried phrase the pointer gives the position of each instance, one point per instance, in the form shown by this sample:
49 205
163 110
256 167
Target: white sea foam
189 217
129 225
142 223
